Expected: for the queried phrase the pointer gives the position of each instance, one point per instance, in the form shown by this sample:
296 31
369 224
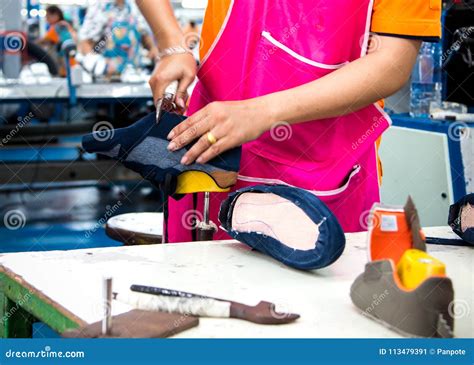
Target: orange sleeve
214 17
408 18
52 36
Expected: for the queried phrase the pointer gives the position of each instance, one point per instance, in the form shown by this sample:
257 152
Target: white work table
57 89
71 281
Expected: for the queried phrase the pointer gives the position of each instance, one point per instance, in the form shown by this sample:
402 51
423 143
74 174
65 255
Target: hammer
170 300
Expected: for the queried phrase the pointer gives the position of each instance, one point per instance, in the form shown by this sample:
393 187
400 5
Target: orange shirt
405 18
52 35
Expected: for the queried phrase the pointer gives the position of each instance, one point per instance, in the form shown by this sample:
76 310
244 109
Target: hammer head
262 313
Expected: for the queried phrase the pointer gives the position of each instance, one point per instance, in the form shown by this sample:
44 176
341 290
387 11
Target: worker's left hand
152 53
232 123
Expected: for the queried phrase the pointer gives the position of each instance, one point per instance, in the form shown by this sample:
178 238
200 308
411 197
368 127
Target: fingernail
199 160
170 135
184 160
171 146
180 102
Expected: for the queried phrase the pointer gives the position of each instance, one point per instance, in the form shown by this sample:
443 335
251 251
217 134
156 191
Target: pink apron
267 46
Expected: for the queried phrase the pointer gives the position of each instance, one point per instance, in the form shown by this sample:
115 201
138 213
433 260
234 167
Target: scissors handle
166 102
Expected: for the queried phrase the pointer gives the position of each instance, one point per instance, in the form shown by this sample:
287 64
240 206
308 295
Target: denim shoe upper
142 147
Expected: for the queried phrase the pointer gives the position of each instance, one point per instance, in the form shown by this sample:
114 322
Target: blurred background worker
115 29
58 32
192 37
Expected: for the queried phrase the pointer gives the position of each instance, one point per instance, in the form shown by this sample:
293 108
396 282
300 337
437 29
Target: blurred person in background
191 35
116 30
59 31
190 27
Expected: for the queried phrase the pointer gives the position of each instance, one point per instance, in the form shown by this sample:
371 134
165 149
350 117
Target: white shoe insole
275 217
467 217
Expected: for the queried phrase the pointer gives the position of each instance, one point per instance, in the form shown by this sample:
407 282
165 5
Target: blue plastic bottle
426 82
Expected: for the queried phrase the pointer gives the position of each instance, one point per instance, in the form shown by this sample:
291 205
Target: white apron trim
384 113
365 43
262 180
299 57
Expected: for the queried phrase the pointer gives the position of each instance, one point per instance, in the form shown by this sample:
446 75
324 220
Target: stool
136 228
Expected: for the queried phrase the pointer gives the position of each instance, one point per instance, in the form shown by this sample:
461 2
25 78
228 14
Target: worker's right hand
181 67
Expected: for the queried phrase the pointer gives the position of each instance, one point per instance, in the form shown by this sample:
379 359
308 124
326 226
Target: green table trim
21 305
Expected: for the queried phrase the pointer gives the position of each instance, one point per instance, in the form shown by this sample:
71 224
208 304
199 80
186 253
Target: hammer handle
167 292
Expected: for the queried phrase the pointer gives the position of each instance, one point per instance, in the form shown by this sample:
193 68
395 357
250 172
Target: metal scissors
167 103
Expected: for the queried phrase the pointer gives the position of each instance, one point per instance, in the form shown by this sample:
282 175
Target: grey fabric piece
153 151
422 312
113 152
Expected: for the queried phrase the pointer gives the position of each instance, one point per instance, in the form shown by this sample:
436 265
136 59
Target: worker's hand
231 123
152 53
181 67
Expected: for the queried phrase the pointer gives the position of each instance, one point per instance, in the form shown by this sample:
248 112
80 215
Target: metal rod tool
206 228
107 302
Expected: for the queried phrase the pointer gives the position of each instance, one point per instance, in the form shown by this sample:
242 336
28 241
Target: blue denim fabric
454 219
157 162
331 240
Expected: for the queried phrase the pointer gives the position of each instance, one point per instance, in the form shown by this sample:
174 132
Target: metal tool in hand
205 228
167 103
262 313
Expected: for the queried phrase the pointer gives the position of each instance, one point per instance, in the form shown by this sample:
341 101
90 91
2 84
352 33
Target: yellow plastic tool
416 266
197 182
